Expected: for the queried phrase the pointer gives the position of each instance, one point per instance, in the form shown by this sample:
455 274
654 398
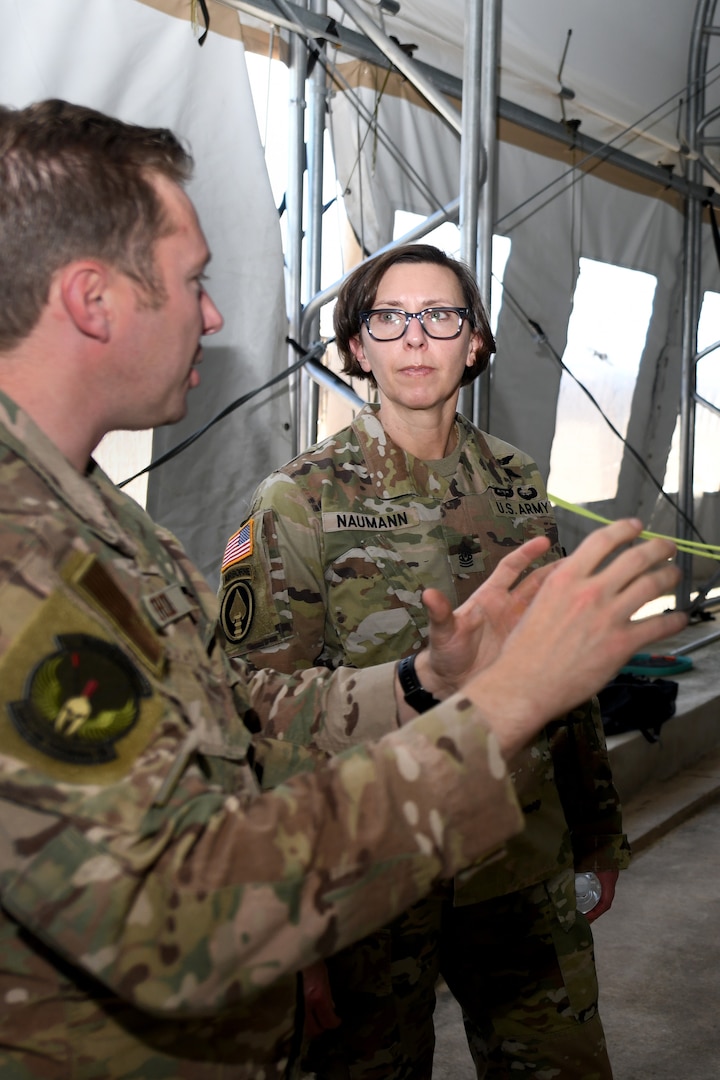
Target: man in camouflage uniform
344 540
154 907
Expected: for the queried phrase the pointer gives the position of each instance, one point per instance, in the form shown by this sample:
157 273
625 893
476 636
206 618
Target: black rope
206 17
313 353
542 339
714 227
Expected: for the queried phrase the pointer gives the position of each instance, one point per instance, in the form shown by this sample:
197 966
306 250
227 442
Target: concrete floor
658 955
659 963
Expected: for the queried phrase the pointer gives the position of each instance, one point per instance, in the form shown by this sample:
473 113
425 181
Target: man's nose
212 319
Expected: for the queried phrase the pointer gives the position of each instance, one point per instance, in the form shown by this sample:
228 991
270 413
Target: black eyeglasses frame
463 315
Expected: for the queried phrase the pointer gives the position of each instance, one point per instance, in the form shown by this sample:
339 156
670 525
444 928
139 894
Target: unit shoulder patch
80 700
75 704
237 609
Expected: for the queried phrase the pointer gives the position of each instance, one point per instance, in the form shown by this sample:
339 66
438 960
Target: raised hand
577 631
464 641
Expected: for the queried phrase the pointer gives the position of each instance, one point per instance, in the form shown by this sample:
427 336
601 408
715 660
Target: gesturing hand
578 630
470 638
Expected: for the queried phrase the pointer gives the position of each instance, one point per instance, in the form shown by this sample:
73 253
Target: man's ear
356 348
84 289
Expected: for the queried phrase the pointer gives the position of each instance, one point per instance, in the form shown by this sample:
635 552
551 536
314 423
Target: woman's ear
356 348
476 342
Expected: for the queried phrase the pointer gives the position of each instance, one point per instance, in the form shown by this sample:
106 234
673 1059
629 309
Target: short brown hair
358 292
75 183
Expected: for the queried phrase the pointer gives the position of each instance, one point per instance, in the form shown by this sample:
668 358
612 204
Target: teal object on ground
655 665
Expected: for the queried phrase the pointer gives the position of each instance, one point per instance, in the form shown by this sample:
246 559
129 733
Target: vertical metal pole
317 85
690 315
470 156
294 211
487 210
691 300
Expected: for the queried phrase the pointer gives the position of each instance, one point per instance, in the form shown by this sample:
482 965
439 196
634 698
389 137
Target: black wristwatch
417 697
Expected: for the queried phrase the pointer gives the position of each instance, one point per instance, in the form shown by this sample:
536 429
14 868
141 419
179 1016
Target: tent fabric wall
625 68
594 220
145 66
373 185
553 216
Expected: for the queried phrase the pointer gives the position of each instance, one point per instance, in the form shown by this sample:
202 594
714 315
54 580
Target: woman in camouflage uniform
343 540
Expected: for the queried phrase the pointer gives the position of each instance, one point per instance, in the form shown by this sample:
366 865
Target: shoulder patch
80 700
74 705
239 546
237 609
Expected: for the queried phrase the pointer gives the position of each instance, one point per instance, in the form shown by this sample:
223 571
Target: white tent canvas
146 66
616 74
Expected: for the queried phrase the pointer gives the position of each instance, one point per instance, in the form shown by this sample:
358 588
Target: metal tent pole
317 87
487 211
692 246
404 63
478 167
294 211
471 160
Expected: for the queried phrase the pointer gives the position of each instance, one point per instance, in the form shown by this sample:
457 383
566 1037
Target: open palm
464 641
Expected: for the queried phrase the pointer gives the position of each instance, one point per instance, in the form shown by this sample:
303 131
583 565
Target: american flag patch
239 546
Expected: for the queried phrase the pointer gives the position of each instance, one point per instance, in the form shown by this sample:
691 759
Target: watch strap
417 697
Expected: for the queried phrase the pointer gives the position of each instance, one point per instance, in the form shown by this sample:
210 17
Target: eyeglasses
388 324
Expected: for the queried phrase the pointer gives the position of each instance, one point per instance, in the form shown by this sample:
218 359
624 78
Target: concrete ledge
665 804
661 784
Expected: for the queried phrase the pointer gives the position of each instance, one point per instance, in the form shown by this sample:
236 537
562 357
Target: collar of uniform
82 494
389 465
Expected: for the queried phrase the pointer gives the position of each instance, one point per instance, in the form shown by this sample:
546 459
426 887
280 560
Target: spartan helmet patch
237 610
80 701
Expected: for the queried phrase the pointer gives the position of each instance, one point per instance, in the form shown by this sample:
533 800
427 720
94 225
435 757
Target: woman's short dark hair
359 290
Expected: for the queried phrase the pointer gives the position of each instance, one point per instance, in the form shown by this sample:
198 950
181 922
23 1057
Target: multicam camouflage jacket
330 567
154 908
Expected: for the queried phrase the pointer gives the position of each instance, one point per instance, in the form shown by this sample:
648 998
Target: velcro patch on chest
518 502
360 520
468 562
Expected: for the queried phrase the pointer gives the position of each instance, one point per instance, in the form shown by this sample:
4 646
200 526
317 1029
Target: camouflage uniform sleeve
589 797
272 617
279 572
203 900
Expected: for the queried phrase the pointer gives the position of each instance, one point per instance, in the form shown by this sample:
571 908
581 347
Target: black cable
313 353
206 17
714 226
542 339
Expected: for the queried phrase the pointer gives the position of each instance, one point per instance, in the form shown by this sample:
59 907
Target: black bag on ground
636 703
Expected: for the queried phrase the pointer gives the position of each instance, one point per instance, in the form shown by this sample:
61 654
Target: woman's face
417 371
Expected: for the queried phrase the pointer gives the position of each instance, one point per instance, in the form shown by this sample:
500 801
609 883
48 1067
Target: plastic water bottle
588 891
